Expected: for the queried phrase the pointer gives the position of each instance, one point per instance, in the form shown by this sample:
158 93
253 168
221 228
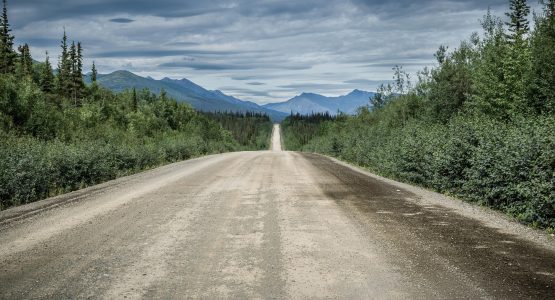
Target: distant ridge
183 90
307 103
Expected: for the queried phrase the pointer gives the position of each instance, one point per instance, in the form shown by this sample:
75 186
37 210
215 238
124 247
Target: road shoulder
485 215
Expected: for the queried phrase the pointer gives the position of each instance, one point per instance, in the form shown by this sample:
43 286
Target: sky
258 50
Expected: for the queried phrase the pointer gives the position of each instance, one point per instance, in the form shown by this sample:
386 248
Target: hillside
183 90
308 103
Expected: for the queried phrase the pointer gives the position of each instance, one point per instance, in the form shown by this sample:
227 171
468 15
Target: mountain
308 103
183 90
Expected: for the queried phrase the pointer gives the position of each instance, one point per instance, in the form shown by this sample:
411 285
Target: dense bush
32 169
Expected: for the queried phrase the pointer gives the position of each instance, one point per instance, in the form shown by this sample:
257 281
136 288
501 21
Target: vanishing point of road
268 224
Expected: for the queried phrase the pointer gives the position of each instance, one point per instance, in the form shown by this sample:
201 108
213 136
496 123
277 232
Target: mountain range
183 90
307 103
202 99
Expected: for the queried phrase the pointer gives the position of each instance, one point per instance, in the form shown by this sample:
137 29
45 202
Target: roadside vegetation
251 130
480 125
58 134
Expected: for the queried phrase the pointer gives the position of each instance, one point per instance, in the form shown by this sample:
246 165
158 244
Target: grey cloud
242 78
409 8
204 66
365 82
245 91
313 86
122 20
238 66
270 48
159 53
36 10
263 76
182 44
42 42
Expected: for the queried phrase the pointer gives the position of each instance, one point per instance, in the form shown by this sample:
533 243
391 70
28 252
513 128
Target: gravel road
268 224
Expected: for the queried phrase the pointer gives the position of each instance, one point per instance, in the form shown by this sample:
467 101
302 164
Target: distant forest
58 134
480 125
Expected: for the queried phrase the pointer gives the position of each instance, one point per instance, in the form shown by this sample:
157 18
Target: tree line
480 125
251 130
58 134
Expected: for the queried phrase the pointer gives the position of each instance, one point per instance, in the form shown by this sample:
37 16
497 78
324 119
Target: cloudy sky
259 50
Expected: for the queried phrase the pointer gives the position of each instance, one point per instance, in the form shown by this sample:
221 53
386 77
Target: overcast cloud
263 51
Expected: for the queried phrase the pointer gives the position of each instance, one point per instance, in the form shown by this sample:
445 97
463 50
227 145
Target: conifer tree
72 74
541 91
77 73
517 62
94 73
73 57
518 19
7 54
47 77
64 70
489 88
134 100
25 62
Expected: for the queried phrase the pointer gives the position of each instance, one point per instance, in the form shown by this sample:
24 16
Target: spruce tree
517 62
488 96
518 19
46 76
73 57
73 68
541 91
134 100
7 54
77 73
25 62
94 74
64 70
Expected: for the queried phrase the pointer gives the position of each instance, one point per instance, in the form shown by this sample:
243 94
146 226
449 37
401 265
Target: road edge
19 212
485 215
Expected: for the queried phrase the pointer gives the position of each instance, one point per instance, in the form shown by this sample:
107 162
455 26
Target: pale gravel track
276 138
269 224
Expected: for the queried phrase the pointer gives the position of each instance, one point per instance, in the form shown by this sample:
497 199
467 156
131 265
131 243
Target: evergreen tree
541 91
517 62
73 72
7 54
518 19
25 62
488 83
94 74
47 77
73 57
134 100
64 70
77 73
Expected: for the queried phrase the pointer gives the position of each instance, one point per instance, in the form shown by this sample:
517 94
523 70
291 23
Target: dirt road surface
270 225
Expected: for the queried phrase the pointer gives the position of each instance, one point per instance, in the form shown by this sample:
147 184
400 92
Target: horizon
216 90
247 53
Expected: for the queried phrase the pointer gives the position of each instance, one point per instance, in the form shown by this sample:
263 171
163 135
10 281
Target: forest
58 134
251 130
480 125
